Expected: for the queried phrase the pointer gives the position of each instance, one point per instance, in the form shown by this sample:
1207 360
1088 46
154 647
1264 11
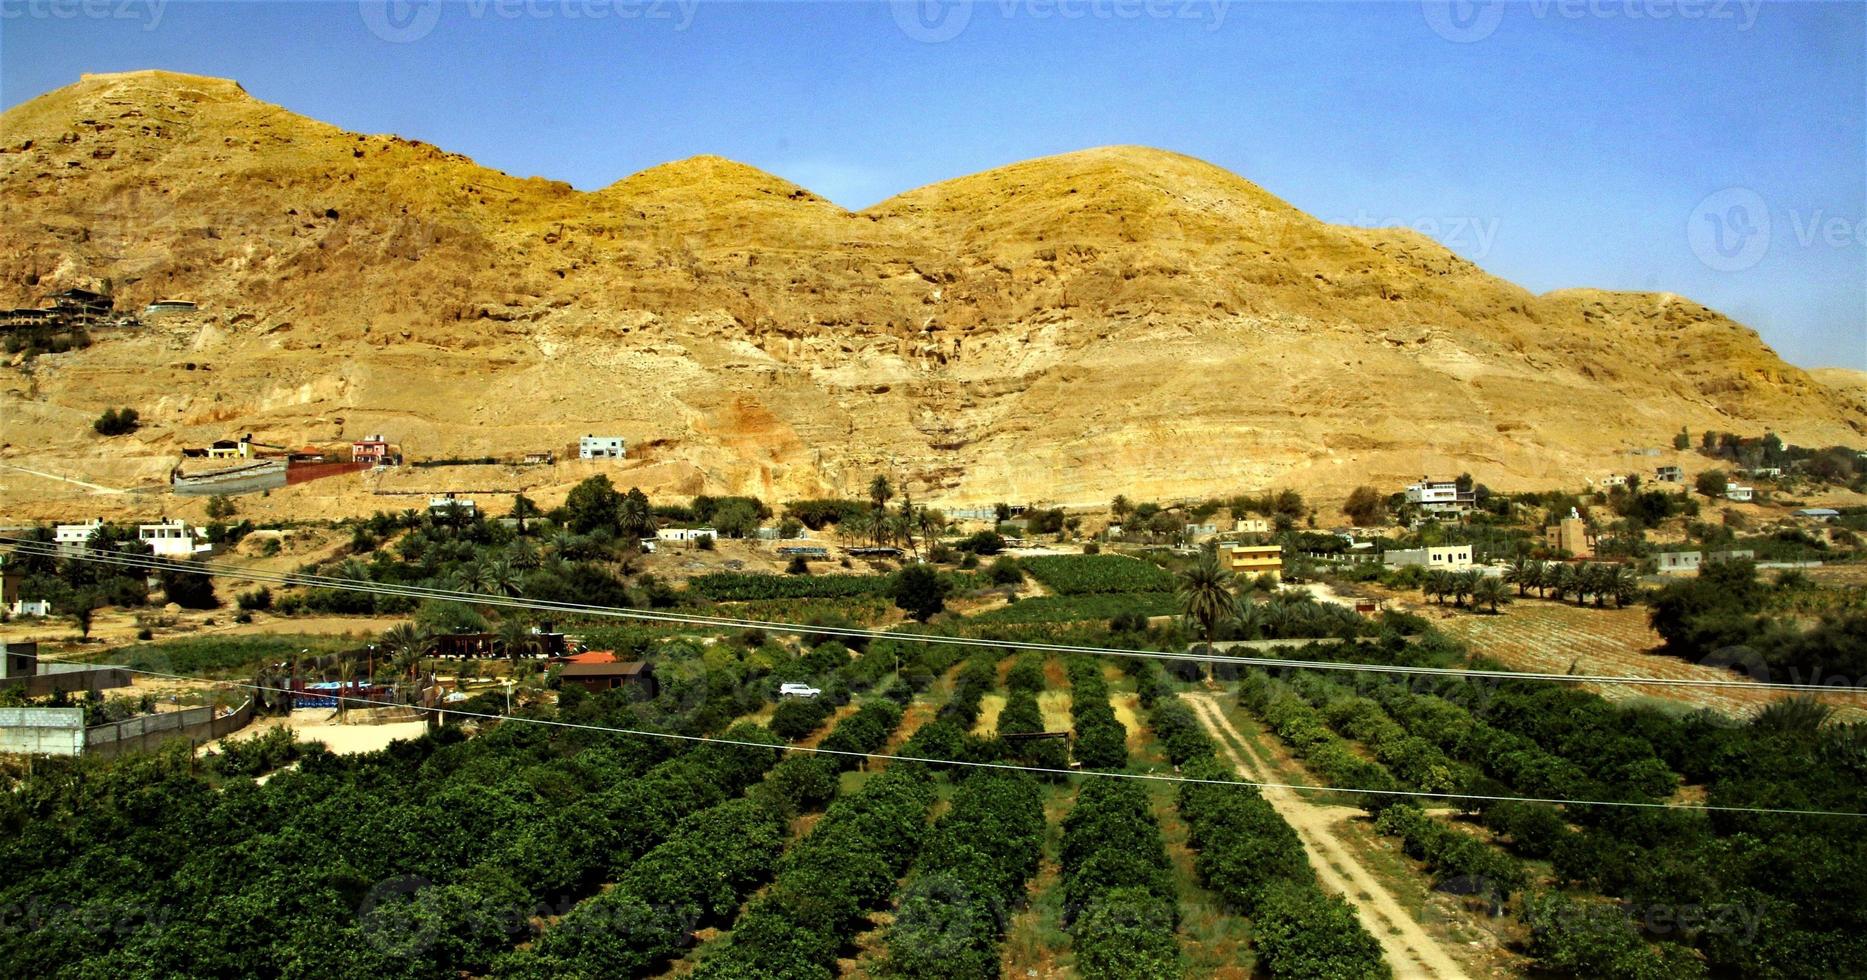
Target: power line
147 563
1045 770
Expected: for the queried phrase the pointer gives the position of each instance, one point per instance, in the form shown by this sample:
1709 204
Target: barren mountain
1117 320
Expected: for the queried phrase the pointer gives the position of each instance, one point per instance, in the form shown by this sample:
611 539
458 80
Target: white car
797 691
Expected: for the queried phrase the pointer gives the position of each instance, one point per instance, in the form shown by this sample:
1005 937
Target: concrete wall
148 731
42 731
69 681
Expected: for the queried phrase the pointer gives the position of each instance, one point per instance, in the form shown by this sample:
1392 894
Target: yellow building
1253 559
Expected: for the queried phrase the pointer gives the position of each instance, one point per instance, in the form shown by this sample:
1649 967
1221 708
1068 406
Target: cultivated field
1551 637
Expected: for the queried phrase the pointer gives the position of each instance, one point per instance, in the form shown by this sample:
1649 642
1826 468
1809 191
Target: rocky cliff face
1119 320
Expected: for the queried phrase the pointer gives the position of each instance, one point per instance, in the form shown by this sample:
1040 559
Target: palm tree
472 577
904 523
1433 585
1799 715
1534 576
877 523
1489 591
405 644
1249 619
502 578
1206 596
1560 580
931 523
525 555
1601 582
1462 586
346 670
1518 574
1625 585
880 492
516 638
635 516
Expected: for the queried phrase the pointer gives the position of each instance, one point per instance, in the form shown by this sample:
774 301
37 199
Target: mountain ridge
1096 316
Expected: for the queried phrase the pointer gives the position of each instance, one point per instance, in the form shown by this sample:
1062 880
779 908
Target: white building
1440 497
74 538
173 539
1251 525
600 447
686 533
452 504
1614 480
31 607
1679 562
1438 556
1736 491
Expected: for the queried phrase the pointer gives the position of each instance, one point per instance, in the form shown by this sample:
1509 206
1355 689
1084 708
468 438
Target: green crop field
1090 574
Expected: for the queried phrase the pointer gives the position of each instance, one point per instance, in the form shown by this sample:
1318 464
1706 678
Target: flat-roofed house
1253 559
173 539
600 447
1437 556
1441 498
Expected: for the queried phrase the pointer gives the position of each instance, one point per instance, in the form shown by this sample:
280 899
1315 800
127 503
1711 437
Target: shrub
1005 571
117 422
798 717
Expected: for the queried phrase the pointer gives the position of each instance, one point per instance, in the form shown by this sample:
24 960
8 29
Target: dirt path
1404 942
93 487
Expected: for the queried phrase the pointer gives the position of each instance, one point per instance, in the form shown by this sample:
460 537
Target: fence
147 731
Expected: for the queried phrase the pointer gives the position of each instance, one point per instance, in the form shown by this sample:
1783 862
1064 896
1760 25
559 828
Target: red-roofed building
590 657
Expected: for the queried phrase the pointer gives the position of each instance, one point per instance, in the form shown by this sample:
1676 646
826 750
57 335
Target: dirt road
1406 945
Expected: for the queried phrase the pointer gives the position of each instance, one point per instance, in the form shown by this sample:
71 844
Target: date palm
1489 591
1625 585
405 644
502 578
1206 598
516 638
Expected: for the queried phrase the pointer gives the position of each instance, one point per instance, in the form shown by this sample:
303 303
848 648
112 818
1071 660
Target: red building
374 450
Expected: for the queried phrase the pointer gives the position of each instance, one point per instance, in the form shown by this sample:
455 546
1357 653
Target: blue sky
1713 148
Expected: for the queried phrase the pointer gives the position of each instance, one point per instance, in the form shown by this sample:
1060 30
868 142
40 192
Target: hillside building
600 447
1441 498
1251 525
1679 562
74 539
374 450
1570 534
173 539
451 505
1669 474
1738 492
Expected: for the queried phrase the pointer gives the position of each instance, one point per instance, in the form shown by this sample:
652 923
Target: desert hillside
1117 320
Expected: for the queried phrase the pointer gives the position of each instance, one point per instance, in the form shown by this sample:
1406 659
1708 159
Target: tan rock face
1118 320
